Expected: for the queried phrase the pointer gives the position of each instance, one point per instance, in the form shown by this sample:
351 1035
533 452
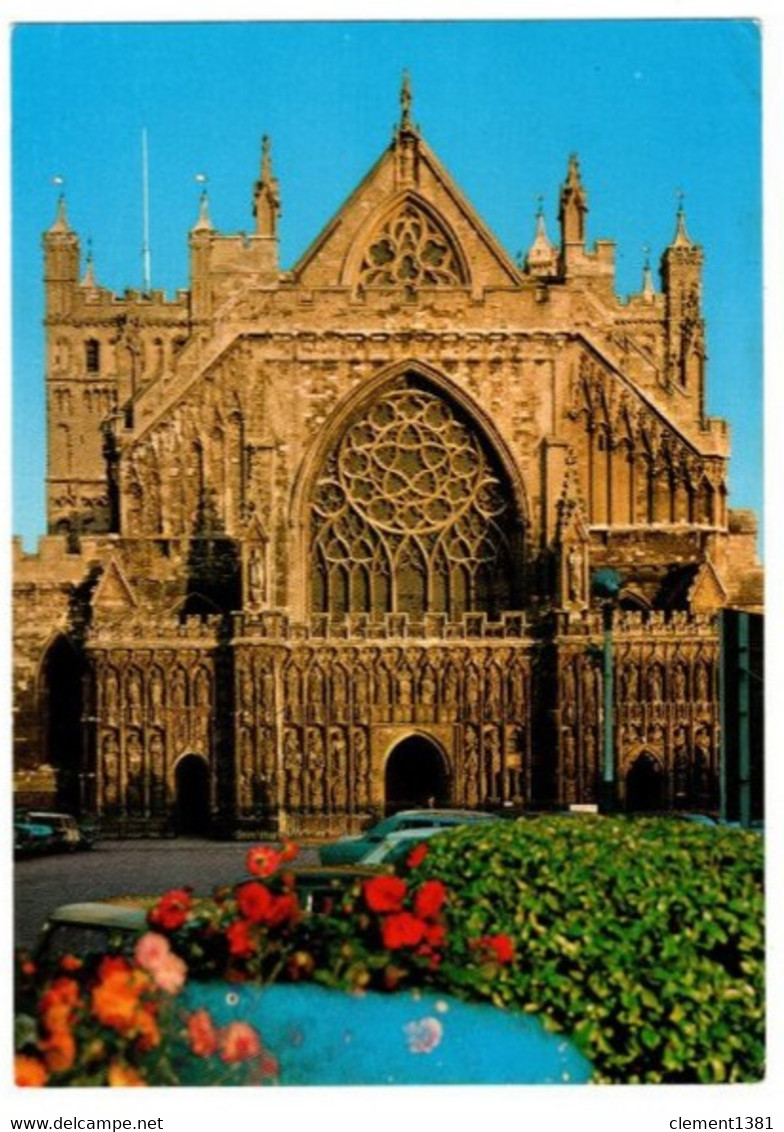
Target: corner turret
681 271
61 263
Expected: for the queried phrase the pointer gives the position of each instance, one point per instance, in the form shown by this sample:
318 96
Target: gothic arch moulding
407 244
410 503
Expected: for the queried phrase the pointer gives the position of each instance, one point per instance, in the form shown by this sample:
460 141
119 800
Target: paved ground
115 868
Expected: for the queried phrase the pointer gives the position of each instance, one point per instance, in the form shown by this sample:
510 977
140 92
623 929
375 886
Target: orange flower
60 992
289 851
263 860
70 963
59 1050
115 1001
239 1042
148 1034
122 1075
202 1035
29 1072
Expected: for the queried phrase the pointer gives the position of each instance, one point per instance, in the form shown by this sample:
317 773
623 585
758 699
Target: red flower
263 860
284 909
435 935
254 901
402 930
172 909
240 941
385 894
498 947
289 851
417 855
239 1042
202 1035
429 900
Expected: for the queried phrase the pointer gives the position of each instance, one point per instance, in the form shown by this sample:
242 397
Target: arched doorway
415 776
192 790
62 692
644 784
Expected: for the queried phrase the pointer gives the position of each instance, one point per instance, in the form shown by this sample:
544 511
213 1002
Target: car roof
100 915
412 834
49 814
434 813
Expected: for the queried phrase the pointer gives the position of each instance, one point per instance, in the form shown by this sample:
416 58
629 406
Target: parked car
32 837
89 929
67 831
395 847
353 849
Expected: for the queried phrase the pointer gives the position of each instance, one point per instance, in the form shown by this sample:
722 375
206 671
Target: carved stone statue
256 578
574 573
111 769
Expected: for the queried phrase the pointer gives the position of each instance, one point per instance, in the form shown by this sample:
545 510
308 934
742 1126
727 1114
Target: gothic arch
191 791
416 772
60 677
377 230
409 480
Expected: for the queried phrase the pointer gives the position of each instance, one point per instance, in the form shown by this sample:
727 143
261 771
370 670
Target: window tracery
411 250
410 515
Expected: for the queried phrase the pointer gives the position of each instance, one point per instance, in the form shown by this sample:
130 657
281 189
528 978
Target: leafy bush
643 939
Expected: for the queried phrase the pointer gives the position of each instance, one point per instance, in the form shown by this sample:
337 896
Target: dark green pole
608 759
744 721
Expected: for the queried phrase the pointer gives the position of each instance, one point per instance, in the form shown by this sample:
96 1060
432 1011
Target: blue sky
652 107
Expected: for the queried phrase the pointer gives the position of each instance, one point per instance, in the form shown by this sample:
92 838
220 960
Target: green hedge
642 938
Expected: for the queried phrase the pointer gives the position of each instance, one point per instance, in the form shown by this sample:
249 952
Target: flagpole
146 267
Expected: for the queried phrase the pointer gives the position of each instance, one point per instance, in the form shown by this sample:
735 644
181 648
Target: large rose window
411 514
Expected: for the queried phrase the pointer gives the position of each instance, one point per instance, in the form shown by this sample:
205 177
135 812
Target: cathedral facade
321 541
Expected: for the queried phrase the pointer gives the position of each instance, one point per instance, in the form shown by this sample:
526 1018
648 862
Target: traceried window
92 355
411 250
411 514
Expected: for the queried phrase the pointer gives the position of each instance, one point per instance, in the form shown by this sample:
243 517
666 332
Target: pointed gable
406 225
114 591
707 592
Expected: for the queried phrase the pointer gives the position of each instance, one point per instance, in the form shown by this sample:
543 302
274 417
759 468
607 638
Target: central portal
416 775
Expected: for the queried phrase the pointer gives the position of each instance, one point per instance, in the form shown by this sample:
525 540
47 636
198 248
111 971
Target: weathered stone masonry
320 540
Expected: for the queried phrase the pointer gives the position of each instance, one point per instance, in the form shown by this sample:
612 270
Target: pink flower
150 950
423 1036
239 1042
153 954
170 974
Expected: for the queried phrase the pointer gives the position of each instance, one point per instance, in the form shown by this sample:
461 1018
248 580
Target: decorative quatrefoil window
411 250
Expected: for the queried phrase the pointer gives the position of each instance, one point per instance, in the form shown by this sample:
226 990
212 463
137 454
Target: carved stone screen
411 514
